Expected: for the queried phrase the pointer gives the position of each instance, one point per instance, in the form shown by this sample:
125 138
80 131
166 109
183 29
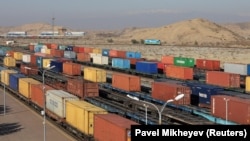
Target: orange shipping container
82 88
117 53
232 108
169 60
205 64
71 68
33 59
24 86
134 60
112 127
223 79
126 82
88 50
81 50
76 49
59 53
37 94
179 72
10 53
85 57
165 91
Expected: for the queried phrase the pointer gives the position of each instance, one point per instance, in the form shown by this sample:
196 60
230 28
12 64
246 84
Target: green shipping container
184 62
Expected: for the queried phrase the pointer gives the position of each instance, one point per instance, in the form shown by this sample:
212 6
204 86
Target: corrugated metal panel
24 86
94 74
131 54
184 61
5 75
9 61
14 80
147 67
102 60
70 54
26 58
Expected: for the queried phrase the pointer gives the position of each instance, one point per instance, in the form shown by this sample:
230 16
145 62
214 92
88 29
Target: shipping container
46 63
117 53
6 51
80 114
242 69
97 50
81 50
33 70
48 51
126 82
69 48
83 57
38 47
69 54
9 61
24 86
132 54
184 61
211 65
56 101
38 93
105 52
101 60
247 86
57 53
31 48
183 73
223 79
58 65
18 55
82 88
5 76
165 91
88 50
43 50
146 67
117 128
14 80
231 108
94 54
52 46
26 58
62 47
94 74
169 60
152 42
71 68
121 63
32 59
133 61
201 93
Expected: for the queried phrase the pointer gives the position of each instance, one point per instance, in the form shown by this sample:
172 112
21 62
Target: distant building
17 34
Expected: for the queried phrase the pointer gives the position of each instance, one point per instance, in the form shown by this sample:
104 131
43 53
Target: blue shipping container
58 65
146 67
39 61
130 54
13 80
37 48
2 68
69 48
121 63
248 69
105 52
203 91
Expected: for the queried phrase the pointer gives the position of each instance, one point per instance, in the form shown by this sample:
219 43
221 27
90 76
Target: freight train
178 68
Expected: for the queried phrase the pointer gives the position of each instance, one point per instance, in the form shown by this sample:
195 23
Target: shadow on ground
9 128
7 109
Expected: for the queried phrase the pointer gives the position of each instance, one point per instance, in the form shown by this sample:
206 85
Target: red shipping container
33 60
231 108
85 57
134 60
161 65
59 53
169 60
43 55
205 64
10 53
37 94
32 48
117 53
165 91
76 49
88 50
112 127
184 73
82 88
33 70
81 49
126 82
224 79
53 52
71 68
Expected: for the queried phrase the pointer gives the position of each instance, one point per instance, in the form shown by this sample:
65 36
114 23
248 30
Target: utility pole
53 19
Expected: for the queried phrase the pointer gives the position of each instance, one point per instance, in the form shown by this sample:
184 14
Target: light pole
178 97
44 98
146 113
226 99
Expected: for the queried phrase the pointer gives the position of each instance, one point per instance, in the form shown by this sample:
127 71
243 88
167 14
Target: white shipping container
94 54
56 100
102 60
236 68
69 54
26 58
43 50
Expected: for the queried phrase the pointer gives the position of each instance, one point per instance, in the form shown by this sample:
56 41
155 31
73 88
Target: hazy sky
119 14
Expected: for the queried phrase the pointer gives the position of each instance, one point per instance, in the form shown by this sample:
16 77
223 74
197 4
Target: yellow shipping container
94 74
97 50
46 63
18 55
24 86
247 86
47 51
5 76
9 61
80 114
